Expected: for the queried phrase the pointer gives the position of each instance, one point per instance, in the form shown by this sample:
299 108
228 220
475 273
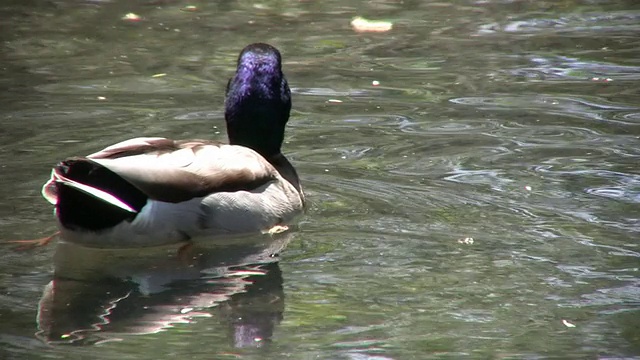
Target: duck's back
190 188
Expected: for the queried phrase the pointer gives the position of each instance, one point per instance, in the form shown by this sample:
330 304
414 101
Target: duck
152 191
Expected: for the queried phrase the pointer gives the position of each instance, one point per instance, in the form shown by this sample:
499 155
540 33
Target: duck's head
258 100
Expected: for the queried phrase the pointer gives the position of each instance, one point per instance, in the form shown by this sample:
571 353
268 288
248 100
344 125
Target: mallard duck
152 191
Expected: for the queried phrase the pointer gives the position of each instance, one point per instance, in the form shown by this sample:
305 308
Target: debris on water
528 188
360 24
375 83
101 98
466 241
158 75
276 229
132 17
568 324
190 8
335 101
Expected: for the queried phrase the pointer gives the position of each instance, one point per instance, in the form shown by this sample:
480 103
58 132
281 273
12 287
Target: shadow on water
106 295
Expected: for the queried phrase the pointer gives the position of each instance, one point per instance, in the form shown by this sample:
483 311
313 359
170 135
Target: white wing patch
97 193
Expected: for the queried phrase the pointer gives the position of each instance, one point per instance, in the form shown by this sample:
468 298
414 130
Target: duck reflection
101 295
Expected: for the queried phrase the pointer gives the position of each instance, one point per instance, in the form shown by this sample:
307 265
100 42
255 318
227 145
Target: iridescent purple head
258 100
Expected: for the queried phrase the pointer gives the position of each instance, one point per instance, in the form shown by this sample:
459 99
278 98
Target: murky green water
516 123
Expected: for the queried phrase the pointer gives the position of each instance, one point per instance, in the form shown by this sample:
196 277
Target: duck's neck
286 170
257 123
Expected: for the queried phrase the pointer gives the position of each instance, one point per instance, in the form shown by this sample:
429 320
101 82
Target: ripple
330 92
581 107
609 22
608 184
568 68
623 295
67 115
473 316
460 126
617 193
129 84
363 354
398 121
200 115
509 101
489 177
630 116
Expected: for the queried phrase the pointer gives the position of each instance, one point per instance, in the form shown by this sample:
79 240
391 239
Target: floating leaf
361 24
466 241
132 17
190 8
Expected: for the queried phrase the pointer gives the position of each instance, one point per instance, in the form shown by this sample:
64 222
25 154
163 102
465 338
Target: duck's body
154 191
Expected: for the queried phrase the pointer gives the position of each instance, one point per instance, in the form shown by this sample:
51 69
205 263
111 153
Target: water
512 123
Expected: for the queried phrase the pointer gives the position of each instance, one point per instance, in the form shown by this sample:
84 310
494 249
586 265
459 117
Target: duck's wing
175 171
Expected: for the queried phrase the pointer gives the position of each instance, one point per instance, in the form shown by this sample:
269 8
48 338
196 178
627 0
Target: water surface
513 123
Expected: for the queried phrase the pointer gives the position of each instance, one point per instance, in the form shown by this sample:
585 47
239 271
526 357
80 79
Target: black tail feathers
78 210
